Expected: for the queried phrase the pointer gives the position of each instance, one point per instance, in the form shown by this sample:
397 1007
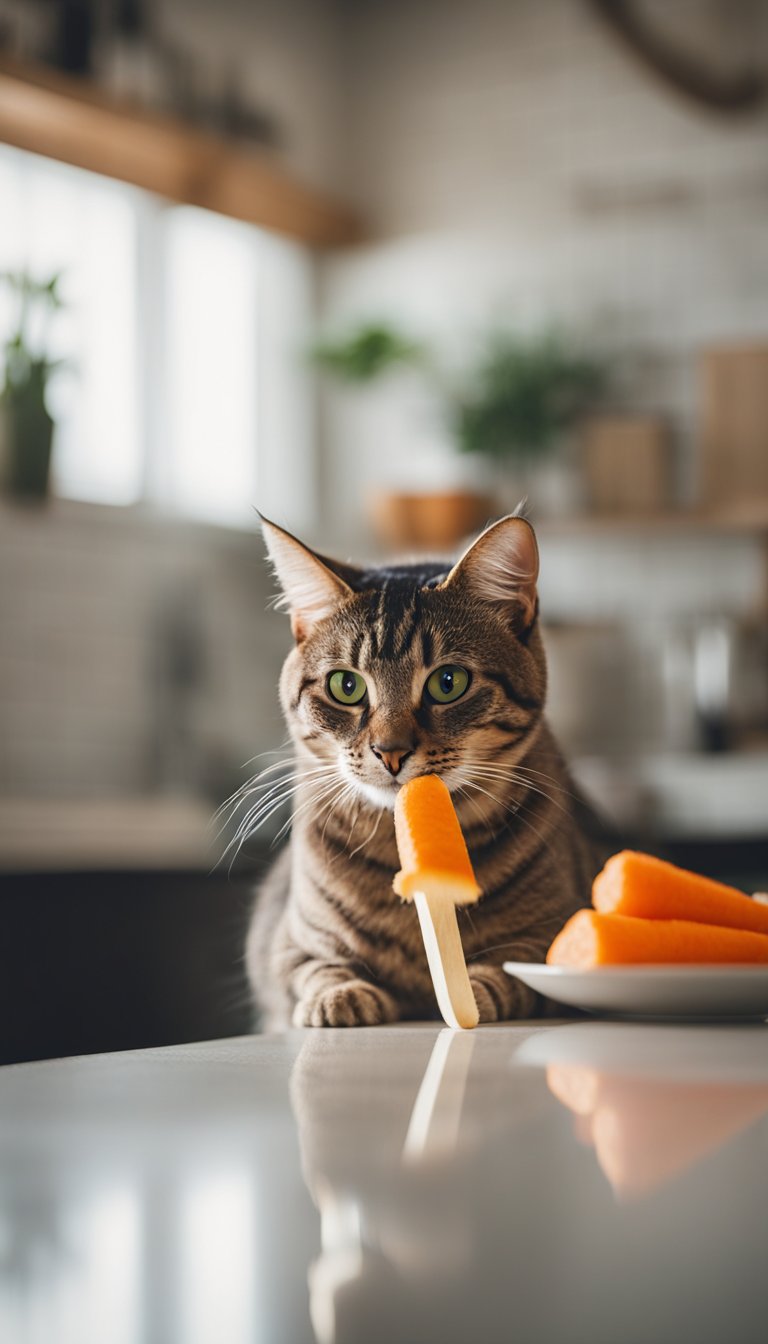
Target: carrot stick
648 888
590 939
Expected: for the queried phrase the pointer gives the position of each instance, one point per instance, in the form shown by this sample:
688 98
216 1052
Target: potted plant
26 422
520 400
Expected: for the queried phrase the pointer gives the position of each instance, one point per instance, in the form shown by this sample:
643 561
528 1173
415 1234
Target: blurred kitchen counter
164 831
721 795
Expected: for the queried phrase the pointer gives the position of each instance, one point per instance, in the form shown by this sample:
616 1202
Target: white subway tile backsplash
86 597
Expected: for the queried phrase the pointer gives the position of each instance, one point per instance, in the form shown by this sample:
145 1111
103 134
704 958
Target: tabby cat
396 672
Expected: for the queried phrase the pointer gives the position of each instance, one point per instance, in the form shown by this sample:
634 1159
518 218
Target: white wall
519 165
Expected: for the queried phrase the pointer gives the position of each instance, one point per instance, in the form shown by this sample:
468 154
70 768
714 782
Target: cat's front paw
498 996
353 1004
488 1005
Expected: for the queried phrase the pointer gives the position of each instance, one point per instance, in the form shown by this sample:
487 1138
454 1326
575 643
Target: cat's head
414 669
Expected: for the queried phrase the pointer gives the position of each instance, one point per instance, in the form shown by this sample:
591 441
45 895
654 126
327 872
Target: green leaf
369 352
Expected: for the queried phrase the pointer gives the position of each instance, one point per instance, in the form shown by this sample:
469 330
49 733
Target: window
212 384
56 218
184 383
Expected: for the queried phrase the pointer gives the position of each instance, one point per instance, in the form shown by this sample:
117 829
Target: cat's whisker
516 811
543 793
462 790
272 788
233 801
271 803
507 807
494 947
248 787
280 792
524 821
229 818
352 792
314 800
273 751
250 824
548 780
512 778
353 819
294 773
264 816
529 770
258 813
370 837
518 767
289 764
346 792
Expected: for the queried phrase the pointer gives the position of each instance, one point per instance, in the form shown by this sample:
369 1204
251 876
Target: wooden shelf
67 119
743 521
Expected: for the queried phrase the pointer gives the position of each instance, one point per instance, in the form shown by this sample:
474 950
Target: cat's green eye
447 684
346 687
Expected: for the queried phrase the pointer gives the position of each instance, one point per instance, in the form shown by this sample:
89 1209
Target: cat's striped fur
329 943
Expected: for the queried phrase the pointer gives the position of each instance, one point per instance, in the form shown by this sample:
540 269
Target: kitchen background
324 246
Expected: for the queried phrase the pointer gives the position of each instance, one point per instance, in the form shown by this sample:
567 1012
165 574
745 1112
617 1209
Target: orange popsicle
432 849
437 876
591 939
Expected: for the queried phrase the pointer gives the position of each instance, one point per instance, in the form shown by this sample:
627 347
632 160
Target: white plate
652 991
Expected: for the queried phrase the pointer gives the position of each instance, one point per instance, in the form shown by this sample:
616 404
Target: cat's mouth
380 795
384 793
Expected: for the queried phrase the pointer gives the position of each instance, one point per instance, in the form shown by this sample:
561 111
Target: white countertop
161 832
589 1182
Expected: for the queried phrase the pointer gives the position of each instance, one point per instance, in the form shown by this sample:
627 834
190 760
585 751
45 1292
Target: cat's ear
502 567
311 590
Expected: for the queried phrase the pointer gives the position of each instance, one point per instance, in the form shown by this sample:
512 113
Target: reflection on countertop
652 1104
400 1183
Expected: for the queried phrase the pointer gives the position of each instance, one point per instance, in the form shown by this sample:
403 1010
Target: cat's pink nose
393 758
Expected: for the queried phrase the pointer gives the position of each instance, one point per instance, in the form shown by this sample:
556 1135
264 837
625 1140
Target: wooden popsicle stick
445 956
